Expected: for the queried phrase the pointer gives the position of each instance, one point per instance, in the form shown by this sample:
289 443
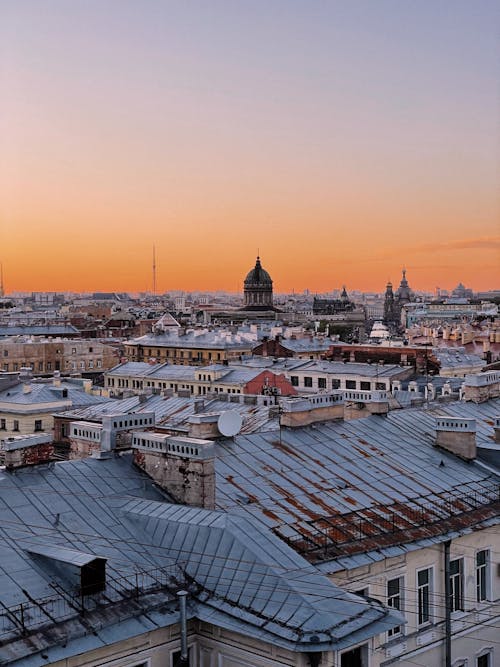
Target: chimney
301 411
183 467
26 388
457 436
56 381
497 429
199 404
25 373
26 450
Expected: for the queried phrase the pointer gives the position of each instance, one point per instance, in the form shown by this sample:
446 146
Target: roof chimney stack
457 436
497 430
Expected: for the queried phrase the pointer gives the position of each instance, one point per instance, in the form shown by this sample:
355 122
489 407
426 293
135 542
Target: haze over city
341 140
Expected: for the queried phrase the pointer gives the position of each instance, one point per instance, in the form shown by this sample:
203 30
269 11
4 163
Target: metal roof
352 368
39 330
236 570
40 392
353 480
58 553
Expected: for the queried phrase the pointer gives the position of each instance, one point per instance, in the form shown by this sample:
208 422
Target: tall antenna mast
154 270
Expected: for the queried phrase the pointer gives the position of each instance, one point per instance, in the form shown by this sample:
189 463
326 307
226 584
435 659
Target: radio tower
154 271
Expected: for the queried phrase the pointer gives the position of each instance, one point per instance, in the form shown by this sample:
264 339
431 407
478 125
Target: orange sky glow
332 149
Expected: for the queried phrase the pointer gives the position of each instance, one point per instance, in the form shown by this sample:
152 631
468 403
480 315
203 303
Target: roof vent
86 571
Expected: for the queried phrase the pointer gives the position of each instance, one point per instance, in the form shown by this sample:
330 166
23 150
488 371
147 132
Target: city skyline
342 142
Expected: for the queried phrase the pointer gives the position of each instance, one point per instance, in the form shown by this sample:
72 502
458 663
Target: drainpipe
184 660
447 596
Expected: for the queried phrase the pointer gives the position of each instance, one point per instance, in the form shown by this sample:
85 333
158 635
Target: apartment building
44 356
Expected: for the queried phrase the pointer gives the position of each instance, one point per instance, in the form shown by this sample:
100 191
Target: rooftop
239 575
336 478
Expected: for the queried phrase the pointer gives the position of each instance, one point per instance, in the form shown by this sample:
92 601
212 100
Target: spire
404 282
154 270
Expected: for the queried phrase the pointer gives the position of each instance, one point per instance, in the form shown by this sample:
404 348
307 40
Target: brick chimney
26 450
183 467
457 436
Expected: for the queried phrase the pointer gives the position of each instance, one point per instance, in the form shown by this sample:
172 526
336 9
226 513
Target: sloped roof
234 568
41 392
304 481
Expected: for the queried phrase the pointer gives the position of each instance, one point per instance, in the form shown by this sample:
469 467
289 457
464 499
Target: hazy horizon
341 140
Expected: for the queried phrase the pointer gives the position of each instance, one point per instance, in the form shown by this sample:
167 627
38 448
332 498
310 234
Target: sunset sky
342 138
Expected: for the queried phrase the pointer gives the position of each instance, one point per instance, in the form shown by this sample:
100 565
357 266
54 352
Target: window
73 350
424 589
356 657
321 383
484 660
3 425
350 384
91 349
98 363
176 657
294 380
380 386
308 382
15 426
49 365
6 367
482 567
5 353
365 386
38 425
40 365
394 600
457 584
15 366
335 383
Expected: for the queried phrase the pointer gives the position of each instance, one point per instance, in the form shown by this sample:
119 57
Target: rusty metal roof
346 487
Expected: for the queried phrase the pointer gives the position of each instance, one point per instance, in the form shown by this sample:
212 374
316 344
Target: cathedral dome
258 289
258 275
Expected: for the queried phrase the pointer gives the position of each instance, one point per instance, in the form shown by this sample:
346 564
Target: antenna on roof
154 270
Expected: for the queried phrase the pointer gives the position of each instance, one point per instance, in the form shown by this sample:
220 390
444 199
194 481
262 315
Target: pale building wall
473 630
47 356
26 422
209 646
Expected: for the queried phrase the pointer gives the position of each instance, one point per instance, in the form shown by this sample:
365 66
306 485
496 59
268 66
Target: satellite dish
229 423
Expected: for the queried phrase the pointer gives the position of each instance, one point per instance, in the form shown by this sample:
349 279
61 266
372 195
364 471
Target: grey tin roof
337 469
237 571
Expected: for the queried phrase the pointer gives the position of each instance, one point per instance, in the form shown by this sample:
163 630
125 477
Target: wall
209 647
473 630
188 481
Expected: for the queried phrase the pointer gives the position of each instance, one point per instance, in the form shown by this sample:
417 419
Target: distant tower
258 288
404 293
154 270
389 310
